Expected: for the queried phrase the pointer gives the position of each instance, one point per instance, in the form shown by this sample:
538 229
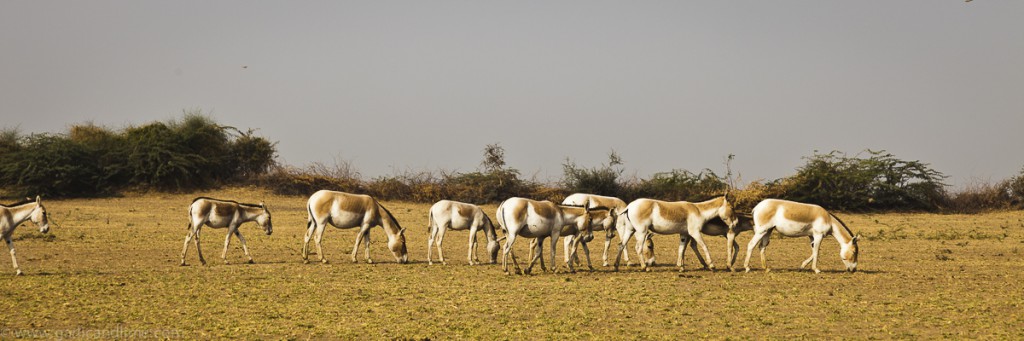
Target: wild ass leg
623 238
244 248
195 239
641 240
14 259
227 241
814 254
694 231
440 240
317 238
471 256
363 237
430 244
764 248
731 248
536 256
696 253
305 241
507 253
184 250
683 240
586 252
811 257
754 241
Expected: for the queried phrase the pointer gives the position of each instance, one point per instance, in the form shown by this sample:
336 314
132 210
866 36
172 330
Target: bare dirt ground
110 270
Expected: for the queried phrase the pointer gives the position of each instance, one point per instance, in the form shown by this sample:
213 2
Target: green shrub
681 185
601 180
880 181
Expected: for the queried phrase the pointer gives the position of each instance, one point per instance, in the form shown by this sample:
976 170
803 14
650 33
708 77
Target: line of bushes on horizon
90 161
196 153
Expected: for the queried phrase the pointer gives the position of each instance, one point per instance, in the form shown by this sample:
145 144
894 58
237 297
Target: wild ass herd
575 220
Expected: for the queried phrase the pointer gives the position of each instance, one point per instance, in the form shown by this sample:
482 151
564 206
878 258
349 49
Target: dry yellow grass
112 267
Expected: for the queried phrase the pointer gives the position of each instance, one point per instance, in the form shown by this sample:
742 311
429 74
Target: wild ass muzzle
217 213
794 219
13 215
458 216
520 217
646 216
346 210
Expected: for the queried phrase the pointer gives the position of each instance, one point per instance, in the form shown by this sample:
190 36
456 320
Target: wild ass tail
188 225
309 220
430 220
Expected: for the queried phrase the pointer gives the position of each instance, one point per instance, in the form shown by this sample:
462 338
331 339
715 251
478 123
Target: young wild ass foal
793 219
616 205
520 217
217 213
13 215
345 210
458 216
645 216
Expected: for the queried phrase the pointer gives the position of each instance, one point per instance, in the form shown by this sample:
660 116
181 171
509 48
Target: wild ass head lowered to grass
794 219
345 210
217 213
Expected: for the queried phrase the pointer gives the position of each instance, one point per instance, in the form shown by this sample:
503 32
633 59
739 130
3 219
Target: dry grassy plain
112 267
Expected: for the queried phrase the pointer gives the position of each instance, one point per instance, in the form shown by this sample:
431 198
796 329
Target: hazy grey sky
399 85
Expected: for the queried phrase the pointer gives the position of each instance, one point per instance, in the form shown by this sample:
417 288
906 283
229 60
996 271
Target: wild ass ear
402 231
38 199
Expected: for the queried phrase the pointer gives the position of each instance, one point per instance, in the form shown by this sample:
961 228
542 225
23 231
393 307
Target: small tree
602 180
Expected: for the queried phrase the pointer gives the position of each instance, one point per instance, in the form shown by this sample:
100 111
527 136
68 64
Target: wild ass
680 217
717 227
453 215
217 213
13 215
345 210
571 237
520 217
614 204
793 219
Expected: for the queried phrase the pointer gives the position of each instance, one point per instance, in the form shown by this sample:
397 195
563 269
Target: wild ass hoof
605 264
305 261
817 271
748 270
19 273
182 263
369 261
767 270
251 261
325 261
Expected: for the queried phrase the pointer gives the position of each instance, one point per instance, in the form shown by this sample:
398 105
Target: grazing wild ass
13 215
453 215
345 210
793 219
645 216
520 217
717 227
571 237
616 205
220 214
